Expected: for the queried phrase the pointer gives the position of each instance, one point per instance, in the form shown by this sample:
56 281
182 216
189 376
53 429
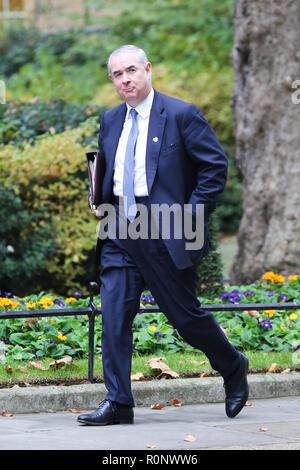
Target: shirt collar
144 108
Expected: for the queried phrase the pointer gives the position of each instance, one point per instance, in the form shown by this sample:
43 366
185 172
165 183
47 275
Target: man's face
131 79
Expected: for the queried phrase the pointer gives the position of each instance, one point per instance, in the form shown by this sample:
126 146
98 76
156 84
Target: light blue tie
128 175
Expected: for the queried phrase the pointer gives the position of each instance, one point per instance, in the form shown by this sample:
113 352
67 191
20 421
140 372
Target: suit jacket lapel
156 127
115 129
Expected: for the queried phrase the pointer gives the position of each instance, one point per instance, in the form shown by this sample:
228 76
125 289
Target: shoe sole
91 423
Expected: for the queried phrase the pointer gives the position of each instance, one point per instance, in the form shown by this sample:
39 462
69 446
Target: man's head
130 72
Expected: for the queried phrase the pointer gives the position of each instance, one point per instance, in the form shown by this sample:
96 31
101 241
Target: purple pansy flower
265 323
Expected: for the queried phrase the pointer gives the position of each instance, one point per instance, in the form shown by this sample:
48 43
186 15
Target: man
158 150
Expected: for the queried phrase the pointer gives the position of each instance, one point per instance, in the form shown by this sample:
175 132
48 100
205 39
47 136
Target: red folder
96 169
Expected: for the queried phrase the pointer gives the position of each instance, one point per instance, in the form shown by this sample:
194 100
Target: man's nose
125 77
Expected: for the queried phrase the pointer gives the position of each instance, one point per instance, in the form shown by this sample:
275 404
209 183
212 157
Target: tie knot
133 113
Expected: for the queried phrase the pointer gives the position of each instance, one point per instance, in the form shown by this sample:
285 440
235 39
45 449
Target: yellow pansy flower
46 301
269 312
5 302
270 276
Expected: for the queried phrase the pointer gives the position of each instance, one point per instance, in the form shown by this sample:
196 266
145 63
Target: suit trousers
128 268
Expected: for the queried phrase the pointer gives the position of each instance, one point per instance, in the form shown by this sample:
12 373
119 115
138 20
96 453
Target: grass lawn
186 365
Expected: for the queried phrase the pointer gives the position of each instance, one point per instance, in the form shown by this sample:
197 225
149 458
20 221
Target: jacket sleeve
211 161
100 137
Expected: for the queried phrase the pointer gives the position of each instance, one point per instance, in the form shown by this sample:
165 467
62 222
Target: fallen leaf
252 313
263 429
205 374
273 367
9 369
75 411
285 371
61 362
175 402
166 372
190 438
193 361
21 368
27 323
5 413
150 446
138 376
157 406
38 365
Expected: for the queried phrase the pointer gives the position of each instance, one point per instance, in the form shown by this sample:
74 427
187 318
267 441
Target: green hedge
27 241
25 122
48 181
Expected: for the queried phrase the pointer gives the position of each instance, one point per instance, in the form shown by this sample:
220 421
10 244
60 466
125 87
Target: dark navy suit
184 164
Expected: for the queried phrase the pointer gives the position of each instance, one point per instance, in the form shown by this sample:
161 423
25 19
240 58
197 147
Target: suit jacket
185 163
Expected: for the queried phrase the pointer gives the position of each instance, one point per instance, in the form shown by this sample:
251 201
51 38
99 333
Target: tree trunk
266 58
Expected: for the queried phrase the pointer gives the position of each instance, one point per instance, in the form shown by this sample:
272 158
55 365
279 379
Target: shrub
52 175
27 241
25 122
210 270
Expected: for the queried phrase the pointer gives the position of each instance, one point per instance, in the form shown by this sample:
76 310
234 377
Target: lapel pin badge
155 139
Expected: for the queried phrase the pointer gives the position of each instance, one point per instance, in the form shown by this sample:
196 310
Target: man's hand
93 208
95 211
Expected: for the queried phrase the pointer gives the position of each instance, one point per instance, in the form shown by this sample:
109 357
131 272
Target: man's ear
148 68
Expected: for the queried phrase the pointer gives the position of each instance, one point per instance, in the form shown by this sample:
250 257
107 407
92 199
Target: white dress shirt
140 181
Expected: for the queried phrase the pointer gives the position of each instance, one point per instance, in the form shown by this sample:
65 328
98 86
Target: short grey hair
140 54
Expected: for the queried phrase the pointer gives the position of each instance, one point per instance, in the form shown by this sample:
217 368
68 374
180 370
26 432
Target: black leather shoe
108 412
236 388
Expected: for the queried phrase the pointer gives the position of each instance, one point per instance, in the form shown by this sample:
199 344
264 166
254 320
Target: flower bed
265 330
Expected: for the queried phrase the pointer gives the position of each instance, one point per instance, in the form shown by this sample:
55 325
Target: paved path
272 423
